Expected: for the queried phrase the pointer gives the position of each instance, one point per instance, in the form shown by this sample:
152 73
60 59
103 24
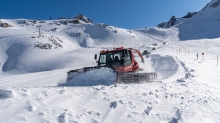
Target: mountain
197 25
41 41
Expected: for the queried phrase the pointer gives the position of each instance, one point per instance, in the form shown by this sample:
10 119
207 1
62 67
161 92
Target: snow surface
33 85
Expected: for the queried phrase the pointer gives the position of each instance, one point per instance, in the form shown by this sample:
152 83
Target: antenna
39 26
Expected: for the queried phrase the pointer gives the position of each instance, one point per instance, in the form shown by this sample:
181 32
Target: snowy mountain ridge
62 36
203 24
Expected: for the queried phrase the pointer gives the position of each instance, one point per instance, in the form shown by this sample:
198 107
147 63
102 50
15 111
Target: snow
102 76
6 94
33 85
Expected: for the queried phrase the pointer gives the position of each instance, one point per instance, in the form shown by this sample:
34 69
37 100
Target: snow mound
102 76
6 94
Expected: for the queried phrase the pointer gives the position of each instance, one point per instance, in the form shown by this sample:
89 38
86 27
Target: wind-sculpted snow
102 76
14 52
6 94
96 32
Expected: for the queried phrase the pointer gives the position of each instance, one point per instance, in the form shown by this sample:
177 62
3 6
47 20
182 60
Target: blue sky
130 14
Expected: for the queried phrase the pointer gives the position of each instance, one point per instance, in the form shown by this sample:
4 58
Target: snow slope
60 43
202 25
33 85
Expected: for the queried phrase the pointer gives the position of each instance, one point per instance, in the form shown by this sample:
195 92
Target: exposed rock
43 46
35 21
83 18
75 22
189 14
172 21
103 25
61 18
161 25
215 4
42 22
65 22
79 19
205 6
54 29
5 25
168 24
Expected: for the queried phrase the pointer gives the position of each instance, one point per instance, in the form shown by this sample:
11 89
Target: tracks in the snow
165 66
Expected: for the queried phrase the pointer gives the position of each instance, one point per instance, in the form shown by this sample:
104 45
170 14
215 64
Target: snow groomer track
165 66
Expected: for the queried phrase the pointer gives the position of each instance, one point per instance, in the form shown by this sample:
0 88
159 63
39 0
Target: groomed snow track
164 66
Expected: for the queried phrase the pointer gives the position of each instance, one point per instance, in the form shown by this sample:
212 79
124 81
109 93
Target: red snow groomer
123 62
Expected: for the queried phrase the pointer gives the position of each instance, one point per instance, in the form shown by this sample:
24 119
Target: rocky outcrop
79 19
189 14
173 20
83 18
75 22
215 4
205 7
168 24
43 45
5 25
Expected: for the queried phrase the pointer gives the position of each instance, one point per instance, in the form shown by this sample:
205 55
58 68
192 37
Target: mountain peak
83 18
168 24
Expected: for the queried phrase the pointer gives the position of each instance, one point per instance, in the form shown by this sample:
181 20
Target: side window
128 58
102 59
118 55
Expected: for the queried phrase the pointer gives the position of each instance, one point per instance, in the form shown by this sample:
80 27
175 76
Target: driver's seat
116 58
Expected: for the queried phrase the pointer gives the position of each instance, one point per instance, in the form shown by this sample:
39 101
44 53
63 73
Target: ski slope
33 72
183 94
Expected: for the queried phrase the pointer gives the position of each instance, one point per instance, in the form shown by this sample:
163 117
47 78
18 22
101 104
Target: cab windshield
114 59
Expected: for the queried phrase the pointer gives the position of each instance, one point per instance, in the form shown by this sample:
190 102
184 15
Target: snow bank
102 76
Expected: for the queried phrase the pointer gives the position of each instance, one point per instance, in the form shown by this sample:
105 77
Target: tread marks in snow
165 66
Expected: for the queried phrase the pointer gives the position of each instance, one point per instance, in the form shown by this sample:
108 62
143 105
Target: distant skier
197 55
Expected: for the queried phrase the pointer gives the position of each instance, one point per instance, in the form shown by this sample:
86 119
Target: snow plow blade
132 77
135 77
73 73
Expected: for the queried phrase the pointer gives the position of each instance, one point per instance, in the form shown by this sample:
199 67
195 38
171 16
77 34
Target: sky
129 14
